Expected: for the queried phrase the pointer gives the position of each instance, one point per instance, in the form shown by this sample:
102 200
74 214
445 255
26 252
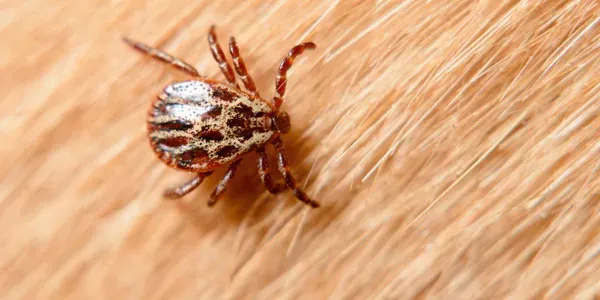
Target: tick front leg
182 190
223 183
219 56
284 168
162 56
240 67
286 64
263 171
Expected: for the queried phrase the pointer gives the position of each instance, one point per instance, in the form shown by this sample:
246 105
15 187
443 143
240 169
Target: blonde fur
453 146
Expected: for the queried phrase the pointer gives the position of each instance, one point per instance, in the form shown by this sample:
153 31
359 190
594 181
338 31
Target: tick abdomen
200 125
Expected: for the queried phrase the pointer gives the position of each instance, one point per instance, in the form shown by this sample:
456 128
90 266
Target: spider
202 124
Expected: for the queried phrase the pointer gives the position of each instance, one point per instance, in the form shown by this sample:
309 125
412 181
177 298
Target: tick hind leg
182 190
263 171
219 56
286 64
162 56
223 183
284 168
240 67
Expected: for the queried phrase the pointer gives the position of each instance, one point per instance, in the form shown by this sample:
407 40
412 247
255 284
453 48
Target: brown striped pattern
200 125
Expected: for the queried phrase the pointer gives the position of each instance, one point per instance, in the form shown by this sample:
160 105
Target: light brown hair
453 146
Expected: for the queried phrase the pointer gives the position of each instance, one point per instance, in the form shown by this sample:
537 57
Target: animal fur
454 147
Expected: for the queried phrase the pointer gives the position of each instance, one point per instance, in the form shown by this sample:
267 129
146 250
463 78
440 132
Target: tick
202 124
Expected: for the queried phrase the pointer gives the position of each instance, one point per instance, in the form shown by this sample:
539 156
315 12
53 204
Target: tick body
201 124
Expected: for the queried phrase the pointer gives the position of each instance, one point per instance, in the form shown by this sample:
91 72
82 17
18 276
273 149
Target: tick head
282 122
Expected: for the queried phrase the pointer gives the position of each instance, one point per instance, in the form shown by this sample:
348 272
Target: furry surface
453 145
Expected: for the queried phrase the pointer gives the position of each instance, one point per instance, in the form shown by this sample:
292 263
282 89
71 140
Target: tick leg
286 63
224 182
284 168
263 171
182 190
162 56
240 67
219 56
